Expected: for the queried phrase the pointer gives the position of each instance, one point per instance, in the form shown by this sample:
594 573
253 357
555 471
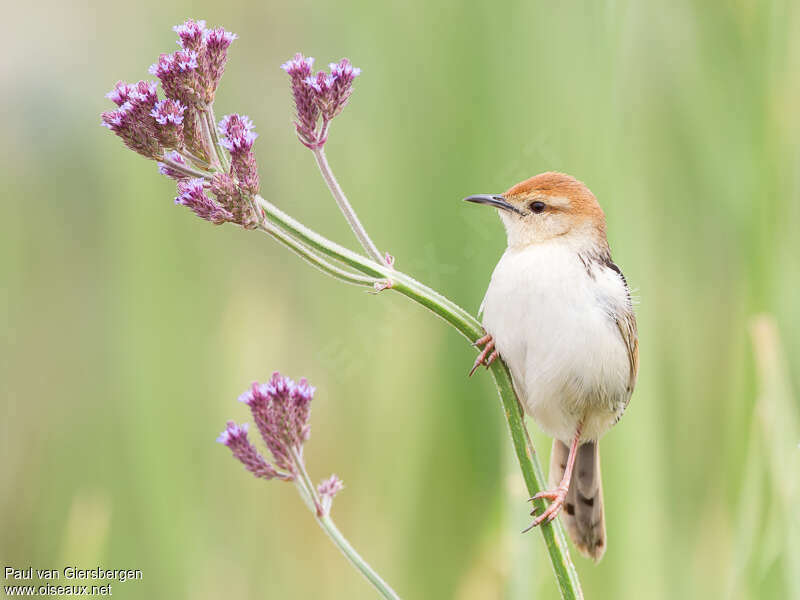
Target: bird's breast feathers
563 322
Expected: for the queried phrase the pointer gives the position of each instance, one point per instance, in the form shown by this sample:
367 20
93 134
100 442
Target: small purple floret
119 95
191 34
168 111
235 438
300 66
237 133
192 195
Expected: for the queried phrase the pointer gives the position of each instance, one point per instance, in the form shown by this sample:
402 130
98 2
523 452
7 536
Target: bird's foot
487 355
558 496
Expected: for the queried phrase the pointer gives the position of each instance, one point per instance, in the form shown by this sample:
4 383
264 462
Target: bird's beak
493 200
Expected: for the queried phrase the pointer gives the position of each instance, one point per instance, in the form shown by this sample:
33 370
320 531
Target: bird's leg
559 494
487 355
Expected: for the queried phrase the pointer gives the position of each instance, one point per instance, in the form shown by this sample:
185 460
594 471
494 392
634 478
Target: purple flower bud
192 194
343 74
298 67
237 133
133 121
191 34
119 95
168 111
167 170
238 137
178 75
281 410
217 42
235 438
344 70
327 489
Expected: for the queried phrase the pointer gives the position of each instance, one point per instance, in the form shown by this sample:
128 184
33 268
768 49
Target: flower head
178 75
215 55
235 437
133 121
168 111
281 410
318 98
119 95
237 133
192 195
238 137
298 67
191 34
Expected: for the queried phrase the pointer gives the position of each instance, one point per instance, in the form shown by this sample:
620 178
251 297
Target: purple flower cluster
238 137
281 410
235 438
192 193
194 71
318 98
179 132
134 122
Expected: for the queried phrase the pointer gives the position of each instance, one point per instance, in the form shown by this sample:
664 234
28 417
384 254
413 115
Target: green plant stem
469 327
341 200
355 559
211 123
309 495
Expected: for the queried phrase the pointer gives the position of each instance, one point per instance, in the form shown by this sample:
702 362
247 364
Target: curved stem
344 205
355 559
314 259
309 495
469 327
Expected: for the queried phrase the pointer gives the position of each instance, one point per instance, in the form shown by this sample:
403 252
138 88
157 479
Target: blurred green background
129 326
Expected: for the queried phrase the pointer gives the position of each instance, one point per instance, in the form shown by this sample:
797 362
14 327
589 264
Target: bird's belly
566 355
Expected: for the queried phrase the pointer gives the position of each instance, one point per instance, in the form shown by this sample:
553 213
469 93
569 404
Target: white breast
552 319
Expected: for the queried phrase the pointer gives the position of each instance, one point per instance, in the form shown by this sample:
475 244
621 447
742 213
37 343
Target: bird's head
546 207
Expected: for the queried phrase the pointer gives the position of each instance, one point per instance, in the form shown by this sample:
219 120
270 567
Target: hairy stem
470 328
344 205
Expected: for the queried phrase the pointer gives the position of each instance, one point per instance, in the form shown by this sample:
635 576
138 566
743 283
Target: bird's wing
626 323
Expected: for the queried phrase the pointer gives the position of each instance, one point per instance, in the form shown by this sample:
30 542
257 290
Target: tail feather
583 510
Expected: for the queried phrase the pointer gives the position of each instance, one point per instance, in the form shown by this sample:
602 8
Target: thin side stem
211 150
355 558
212 125
314 259
469 327
309 495
344 205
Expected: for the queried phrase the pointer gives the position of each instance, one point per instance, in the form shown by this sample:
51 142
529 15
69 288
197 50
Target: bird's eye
537 207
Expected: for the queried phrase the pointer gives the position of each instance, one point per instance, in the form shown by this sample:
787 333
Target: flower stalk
281 410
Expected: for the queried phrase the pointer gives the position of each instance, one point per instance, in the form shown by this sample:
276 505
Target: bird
559 312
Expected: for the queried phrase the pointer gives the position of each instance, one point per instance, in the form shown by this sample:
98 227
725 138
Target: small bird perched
559 312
